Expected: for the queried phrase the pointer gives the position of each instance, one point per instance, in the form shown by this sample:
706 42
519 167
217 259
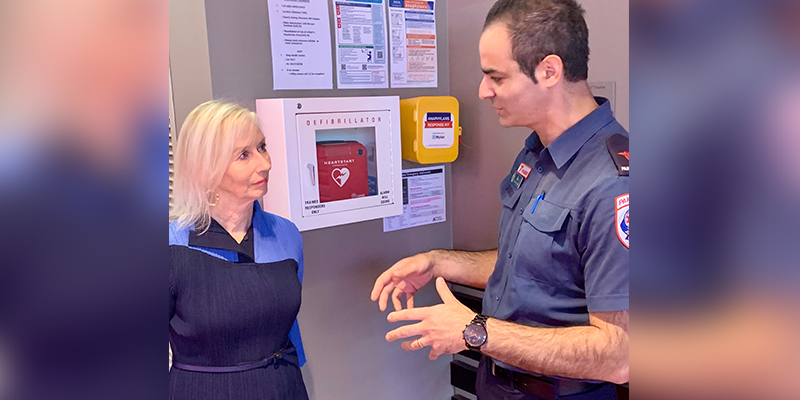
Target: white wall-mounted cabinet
335 160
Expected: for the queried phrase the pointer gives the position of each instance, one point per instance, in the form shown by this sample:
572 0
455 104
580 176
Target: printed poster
361 61
412 27
301 44
424 200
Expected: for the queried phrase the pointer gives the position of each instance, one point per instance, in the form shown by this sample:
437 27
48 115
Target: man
555 308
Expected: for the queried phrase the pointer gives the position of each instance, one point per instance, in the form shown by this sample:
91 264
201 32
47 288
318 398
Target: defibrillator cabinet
334 160
430 129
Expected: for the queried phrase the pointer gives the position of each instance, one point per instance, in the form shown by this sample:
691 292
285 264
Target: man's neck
566 111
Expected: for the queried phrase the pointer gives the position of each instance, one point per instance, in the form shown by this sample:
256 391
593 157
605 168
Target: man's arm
598 351
471 268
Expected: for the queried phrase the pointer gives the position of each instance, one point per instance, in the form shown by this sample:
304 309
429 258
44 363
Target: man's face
518 101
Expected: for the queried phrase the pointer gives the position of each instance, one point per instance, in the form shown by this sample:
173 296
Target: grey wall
343 331
188 56
477 173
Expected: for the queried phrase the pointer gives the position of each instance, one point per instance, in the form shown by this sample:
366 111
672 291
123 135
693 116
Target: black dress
227 313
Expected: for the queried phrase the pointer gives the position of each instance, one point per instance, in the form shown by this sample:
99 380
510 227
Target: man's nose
484 91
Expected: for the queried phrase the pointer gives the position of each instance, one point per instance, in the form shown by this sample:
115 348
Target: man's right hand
406 276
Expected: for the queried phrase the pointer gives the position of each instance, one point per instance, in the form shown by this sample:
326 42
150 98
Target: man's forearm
581 352
471 268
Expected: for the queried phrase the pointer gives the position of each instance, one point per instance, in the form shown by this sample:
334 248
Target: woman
235 270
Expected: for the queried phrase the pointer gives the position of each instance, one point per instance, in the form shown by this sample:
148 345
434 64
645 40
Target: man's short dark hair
539 28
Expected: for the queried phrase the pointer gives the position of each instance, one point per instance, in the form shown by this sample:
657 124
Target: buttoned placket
528 188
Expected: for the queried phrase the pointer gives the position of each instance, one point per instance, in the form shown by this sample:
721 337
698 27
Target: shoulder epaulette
618 148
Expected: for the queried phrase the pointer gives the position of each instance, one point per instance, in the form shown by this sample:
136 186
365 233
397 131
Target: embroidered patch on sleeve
623 224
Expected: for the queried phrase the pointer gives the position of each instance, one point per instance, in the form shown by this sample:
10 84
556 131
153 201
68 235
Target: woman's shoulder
278 222
178 235
281 226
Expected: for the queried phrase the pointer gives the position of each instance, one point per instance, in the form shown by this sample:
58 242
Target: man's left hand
441 326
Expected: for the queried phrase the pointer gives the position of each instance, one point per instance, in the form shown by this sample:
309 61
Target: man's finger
387 290
398 305
416 314
409 300
444 291
404 332
380 283
413 345
434 355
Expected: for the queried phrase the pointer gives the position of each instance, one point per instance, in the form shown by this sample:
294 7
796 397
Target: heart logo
340 175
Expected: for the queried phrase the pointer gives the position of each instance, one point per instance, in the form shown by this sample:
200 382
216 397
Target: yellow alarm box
429 129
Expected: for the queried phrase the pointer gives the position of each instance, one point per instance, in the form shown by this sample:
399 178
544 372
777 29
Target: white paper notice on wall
412 27
301 44
605 89
423 199
361 61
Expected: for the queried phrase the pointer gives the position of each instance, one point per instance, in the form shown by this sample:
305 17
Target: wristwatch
475 333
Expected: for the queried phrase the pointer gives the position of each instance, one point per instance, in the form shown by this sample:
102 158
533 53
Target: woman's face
247 174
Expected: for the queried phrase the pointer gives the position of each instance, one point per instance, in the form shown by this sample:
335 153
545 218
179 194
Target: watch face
475 335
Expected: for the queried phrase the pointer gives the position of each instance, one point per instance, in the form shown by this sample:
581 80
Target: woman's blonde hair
205 146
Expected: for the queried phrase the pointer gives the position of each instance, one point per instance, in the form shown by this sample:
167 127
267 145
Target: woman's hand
406 276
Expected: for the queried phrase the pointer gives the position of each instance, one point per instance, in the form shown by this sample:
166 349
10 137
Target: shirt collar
216 237
568 143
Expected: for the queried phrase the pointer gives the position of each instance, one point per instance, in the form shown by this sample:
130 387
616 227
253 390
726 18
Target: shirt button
509 255
540 169
521 211
497 298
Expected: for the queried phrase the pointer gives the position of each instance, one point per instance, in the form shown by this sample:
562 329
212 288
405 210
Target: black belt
274 360
541 386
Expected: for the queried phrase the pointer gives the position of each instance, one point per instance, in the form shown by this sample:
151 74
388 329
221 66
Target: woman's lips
261 182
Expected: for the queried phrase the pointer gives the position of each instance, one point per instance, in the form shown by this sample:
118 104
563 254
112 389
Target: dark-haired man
555 310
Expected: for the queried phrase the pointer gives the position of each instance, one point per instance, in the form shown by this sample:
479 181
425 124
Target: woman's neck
234 216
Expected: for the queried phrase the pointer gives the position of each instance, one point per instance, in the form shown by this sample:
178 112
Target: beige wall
477 173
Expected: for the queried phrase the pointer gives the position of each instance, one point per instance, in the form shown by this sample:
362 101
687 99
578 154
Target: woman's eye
262 148
244 155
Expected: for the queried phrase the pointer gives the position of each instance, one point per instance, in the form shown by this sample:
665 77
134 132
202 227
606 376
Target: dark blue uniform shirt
568 255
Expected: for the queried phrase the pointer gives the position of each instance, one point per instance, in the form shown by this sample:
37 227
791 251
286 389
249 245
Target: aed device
335 160
430 129
342 170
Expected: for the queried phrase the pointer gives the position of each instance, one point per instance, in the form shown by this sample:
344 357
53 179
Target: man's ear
550 71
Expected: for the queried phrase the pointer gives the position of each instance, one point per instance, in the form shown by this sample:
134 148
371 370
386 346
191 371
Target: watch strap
479 319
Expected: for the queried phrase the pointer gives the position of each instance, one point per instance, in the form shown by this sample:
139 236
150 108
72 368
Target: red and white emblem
621 205
524 170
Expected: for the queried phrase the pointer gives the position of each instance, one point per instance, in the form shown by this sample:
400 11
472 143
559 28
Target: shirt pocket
509 194
540 244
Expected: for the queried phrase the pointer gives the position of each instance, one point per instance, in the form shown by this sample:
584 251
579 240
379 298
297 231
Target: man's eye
496 79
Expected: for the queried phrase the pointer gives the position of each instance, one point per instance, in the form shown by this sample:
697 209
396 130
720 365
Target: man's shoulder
604 166
608 151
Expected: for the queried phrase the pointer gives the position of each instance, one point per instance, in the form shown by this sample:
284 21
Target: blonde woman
235 270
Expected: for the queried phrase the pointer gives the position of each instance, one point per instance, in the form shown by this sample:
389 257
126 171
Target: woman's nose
265 163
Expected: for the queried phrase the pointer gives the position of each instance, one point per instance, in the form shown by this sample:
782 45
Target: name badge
523 171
